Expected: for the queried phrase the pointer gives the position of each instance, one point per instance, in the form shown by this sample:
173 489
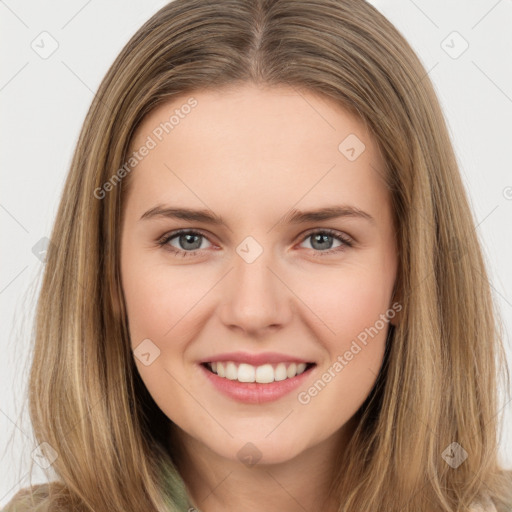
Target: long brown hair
439 384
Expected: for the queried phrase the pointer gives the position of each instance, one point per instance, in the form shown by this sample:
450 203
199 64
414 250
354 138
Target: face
266 286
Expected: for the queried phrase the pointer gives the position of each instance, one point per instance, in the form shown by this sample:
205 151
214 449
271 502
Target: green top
35 498
175 491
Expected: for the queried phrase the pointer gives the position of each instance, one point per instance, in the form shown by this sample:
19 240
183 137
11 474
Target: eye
321 244
189 242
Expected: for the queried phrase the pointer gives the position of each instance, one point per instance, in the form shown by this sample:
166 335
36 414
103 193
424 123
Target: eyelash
346 242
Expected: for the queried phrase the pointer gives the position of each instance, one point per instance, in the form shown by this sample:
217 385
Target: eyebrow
293 217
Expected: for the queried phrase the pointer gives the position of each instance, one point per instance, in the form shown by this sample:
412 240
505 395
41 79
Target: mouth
262 374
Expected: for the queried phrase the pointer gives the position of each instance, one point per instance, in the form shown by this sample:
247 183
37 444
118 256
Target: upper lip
254 359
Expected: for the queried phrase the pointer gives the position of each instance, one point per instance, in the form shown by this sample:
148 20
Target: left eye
320 238
190 242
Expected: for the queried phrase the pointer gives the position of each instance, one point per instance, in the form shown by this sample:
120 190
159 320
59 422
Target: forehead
259 147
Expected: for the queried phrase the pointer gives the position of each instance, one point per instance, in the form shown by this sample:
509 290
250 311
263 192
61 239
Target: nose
255 298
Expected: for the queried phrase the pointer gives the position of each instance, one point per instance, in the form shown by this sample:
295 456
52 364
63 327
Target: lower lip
255 392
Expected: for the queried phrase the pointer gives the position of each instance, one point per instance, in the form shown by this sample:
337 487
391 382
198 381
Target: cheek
348 302
355 346
160 307
157 299
353 330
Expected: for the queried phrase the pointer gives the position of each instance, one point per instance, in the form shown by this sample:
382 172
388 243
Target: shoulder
29 499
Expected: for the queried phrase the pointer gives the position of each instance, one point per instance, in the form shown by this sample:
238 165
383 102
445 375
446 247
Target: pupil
186 238
320 237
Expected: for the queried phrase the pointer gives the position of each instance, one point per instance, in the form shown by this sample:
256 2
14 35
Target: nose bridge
255 298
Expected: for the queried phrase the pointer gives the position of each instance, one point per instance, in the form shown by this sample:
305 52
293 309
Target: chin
260 451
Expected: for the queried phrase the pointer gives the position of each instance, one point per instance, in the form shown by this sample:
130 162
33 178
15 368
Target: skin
250 155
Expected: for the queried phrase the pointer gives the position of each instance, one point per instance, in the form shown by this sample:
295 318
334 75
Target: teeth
246 372
231 371
280 372
263 374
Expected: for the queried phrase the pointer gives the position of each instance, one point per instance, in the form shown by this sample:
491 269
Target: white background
44 102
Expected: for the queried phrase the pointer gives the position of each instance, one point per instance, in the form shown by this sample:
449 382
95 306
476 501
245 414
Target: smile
263 374
250 384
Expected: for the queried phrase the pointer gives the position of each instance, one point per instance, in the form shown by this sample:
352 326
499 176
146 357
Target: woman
252 371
